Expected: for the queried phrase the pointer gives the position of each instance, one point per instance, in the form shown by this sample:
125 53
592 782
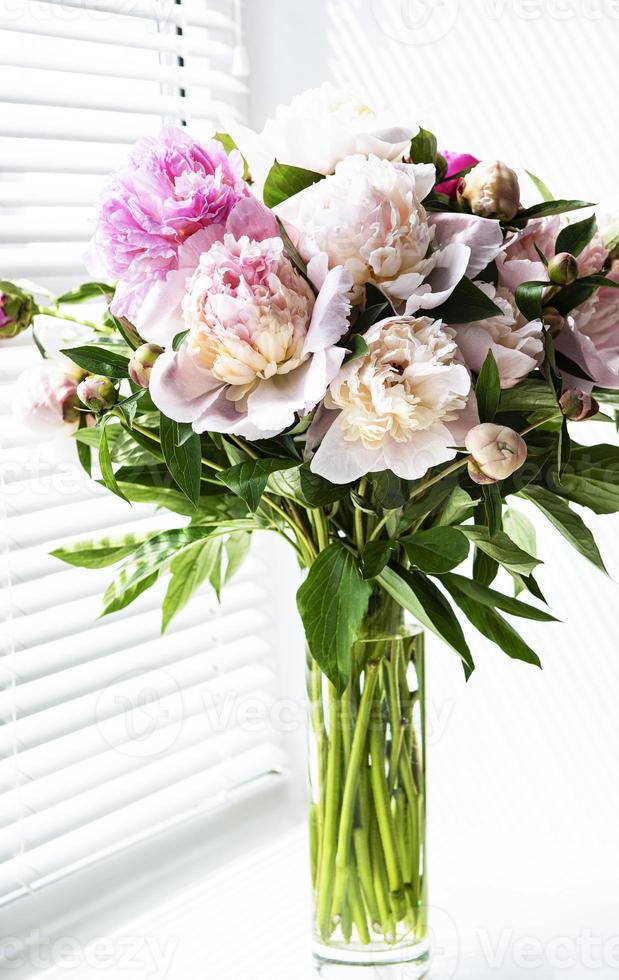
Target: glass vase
367 804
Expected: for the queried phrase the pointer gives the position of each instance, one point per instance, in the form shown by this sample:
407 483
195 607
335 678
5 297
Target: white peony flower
517 346
402 407
368 218
319 128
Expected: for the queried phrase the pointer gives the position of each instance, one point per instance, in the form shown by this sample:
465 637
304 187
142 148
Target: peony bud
496 450
553 320
17 310
491 190
578 405
97 393
141 363
563 269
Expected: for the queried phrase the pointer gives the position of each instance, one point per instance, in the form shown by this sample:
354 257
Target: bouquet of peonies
333 331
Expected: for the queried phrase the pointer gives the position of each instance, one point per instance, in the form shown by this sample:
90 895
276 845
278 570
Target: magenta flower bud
491 190
17 310
141 363
496 451
456 163
578 405
97 393
563 269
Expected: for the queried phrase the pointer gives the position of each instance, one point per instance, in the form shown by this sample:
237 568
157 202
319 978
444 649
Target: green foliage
424 147
198 563
332 603
466 304
575 237
183 457
88 290
488 389
99 360
103 552
567 521
284 181
502 549
416 593
437 550
249 479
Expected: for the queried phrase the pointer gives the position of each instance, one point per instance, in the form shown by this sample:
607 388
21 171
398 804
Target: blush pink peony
369 218
403 407
45 398
171 188
517 346
261 346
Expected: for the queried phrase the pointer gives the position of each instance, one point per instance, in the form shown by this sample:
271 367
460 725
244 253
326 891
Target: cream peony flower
517 346
368 218
319 128
402 407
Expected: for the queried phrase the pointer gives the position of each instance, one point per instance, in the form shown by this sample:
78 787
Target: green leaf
438 550
552 207
101 553
127 407
529 299
177 343
249 479
99 360
493 626
149 558
457 508
130 595
593 478
531 395
229 145
126 330
371 315
332 603
375 556
292 252
495 600
571 296
567 521
485 568
391 491
520 529
488 389
493 508
183 461
424 147
414 592
545 193
575 237
357 348
319 492
284 181
190 569
105 465
237 548
466 304
502 549
88 290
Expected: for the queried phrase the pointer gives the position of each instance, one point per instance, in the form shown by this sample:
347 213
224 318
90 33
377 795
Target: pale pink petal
440 284
342 461
180 389
604 370
273 403
467 418
514 272
331 311
483 236
250 217
427 448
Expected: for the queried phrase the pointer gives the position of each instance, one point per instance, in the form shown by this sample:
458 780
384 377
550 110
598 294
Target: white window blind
108 731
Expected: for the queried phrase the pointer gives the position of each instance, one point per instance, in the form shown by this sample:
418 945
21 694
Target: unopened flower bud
496 450
491 190
97 393
17 310
553 320
563 269
141 363
578 405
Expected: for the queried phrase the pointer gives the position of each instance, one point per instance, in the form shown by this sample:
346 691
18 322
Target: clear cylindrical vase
368 803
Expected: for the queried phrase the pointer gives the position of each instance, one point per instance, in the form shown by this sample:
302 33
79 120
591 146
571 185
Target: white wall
523 763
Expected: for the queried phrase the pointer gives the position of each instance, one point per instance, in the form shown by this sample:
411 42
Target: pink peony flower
261 347
591 335
45 398
517 346
4 319
403 407
171 188
368 217
456 162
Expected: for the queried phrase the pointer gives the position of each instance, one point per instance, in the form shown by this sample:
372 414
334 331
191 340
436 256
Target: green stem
332 802
352 782
48 311
380 791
